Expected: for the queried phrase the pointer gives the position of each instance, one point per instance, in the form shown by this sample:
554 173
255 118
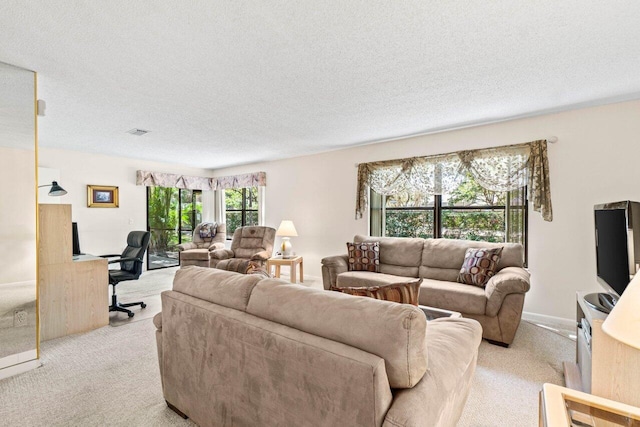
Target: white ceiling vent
138 132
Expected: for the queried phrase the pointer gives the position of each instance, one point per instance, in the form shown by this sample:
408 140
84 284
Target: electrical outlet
130 221
20 318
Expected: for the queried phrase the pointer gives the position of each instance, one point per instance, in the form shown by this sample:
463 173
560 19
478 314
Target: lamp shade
623 323
56 190
287 229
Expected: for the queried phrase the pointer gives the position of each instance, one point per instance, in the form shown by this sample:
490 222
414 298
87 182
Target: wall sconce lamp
56 190
286 230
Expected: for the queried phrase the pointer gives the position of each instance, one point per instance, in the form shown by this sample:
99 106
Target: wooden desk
291 262
73 291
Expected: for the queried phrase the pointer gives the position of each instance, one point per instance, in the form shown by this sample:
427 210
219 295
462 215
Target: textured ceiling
220 83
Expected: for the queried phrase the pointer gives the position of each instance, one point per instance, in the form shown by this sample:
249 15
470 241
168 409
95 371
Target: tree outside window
241 208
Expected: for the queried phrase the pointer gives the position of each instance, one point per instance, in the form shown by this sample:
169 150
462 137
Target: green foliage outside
163 218
234 203
481 224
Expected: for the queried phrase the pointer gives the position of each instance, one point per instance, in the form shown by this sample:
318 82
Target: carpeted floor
110 377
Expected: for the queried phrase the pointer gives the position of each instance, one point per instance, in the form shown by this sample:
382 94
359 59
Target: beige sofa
239 350
497 306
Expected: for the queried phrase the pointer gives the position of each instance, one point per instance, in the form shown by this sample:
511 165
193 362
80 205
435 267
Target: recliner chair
250 244
130 268
197 251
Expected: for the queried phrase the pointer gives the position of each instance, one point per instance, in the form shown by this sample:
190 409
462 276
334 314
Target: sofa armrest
331 267
221 254
157 321
509 280
217 245
187 246
260 256
439 397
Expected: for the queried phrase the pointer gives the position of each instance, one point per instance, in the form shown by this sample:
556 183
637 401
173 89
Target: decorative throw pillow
208 230
479 266
364 256
403 293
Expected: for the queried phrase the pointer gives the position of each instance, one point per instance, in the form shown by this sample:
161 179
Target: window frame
438 208
244 209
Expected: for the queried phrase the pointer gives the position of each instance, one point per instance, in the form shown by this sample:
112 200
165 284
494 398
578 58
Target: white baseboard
19 363
557 322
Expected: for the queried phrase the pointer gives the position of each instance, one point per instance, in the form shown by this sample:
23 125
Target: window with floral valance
503 168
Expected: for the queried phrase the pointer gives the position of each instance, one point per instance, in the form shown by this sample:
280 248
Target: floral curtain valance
496 169
161 179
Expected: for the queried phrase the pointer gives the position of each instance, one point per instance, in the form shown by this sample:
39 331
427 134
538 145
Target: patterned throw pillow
364 256
208 230
479 266
403 293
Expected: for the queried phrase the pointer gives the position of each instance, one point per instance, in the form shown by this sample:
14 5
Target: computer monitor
76 241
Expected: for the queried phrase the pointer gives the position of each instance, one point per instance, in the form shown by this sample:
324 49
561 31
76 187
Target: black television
76 241
617 228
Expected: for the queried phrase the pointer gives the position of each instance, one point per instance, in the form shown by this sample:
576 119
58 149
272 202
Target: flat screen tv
76 241
617 228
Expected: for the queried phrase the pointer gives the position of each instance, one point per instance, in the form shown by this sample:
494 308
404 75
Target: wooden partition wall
74 291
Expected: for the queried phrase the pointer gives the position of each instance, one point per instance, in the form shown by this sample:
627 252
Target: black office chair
130 268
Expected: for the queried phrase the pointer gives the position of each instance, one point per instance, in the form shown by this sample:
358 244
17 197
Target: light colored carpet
110 377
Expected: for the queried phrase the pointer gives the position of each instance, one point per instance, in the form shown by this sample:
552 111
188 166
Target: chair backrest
250 240
220 236
137 243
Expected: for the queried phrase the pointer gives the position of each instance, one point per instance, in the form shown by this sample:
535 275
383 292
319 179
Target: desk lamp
286 230
56 190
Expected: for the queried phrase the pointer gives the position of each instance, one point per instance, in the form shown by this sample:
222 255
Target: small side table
564 407
291 262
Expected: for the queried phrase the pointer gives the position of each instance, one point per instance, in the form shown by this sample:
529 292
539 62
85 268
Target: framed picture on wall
102 196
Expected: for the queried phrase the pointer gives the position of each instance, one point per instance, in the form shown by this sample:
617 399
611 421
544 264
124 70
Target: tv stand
604 367
601 301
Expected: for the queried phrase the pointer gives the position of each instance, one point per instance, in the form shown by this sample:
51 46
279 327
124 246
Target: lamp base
286 248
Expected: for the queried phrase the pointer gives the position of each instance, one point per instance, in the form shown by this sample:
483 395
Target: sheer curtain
504 168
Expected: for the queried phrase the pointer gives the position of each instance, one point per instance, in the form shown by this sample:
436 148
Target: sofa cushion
394 332
364 256
398 251
480 264
453 296
442 258
403 293
217 286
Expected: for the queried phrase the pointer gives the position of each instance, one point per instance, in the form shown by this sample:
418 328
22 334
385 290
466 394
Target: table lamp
623 323
286 230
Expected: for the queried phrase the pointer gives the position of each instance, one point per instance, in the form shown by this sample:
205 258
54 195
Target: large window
172 214
241 208
468 212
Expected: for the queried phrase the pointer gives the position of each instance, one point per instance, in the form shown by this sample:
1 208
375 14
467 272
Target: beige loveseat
497 306
239 350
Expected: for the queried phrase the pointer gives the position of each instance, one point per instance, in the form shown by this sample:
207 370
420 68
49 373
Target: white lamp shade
623 323
287 229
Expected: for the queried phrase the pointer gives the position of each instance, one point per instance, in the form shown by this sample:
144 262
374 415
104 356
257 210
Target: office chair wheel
131 314
143 305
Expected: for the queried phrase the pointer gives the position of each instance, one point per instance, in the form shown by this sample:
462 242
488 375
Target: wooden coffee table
277 262
437 313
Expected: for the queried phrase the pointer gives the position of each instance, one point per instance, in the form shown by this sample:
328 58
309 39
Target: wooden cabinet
74 291
604 367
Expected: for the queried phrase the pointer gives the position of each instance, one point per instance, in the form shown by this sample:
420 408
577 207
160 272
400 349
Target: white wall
595 160
104 230
17 216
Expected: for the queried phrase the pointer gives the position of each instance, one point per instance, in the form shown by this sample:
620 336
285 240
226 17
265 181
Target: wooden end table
292 262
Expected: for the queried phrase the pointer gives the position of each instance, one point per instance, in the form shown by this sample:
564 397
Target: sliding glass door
172 214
